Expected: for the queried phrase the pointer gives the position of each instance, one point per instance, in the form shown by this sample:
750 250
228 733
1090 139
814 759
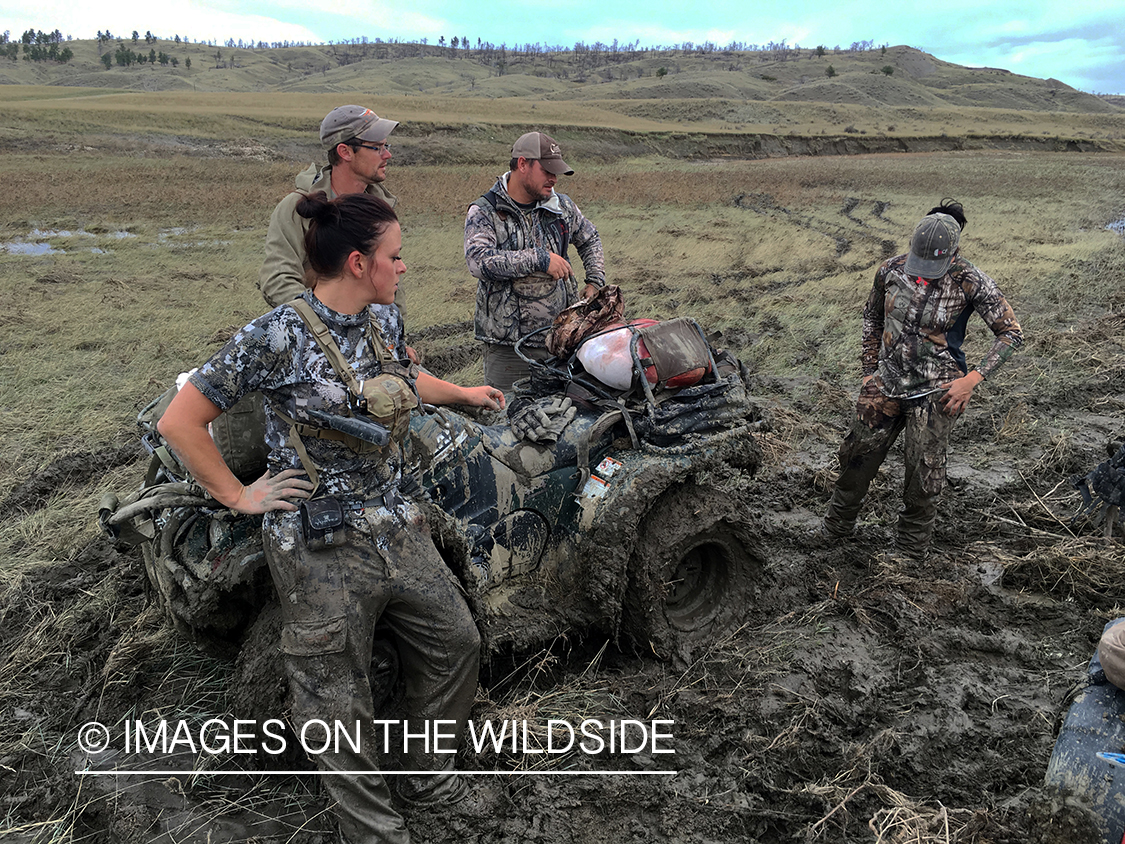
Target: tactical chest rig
379 407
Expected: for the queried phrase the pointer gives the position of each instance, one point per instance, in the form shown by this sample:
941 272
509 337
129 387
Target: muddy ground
866 698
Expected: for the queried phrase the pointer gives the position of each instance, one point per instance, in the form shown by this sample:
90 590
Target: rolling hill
610 103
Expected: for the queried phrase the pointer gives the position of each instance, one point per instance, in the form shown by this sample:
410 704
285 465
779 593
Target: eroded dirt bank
433 144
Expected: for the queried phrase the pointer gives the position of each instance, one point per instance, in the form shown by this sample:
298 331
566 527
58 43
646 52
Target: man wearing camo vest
516 241
915 377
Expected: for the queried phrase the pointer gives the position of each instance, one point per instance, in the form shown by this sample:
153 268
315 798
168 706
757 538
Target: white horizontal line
116 772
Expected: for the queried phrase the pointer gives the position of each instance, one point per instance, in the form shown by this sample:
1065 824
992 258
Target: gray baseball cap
352 121
542 148
933 246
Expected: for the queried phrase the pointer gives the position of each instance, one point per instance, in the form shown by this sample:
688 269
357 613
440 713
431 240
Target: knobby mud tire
211 603
164 590
693 575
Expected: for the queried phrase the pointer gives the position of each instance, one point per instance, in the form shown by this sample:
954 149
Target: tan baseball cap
352 121
933 246
542 148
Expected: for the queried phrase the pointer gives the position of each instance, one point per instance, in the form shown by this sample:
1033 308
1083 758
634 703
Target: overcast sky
1079 43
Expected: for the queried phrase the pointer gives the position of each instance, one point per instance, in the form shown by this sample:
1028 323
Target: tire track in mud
766 205
65 472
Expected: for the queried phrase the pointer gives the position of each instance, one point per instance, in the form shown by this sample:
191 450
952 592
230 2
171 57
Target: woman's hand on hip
273 492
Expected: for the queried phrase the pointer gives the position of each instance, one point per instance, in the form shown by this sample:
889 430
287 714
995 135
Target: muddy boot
824 536
916 527
461 796
909 553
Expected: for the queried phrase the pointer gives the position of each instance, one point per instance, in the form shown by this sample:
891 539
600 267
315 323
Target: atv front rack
571 370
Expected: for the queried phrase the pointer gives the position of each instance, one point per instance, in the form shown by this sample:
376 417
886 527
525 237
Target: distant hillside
893 76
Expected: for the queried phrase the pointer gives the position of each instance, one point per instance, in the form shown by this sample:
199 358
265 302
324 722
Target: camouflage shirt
506 244
913 328
277 355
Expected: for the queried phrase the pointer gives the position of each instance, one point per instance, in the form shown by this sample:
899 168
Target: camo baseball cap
352 121
933 246
542 148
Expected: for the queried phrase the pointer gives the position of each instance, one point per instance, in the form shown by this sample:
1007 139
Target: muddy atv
625 524
1087 760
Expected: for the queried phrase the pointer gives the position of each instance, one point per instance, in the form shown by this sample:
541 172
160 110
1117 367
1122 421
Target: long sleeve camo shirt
505 243
913 328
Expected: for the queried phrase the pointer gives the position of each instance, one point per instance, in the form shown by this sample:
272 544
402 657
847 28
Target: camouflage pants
503 367
331 601
878 423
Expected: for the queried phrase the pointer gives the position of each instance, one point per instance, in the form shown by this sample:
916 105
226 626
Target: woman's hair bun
953 208
315 206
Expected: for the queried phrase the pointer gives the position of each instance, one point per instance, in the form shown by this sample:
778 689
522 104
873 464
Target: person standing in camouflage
915 377
347 543
516 241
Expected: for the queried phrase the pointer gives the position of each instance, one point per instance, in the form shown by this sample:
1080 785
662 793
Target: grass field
162 255
83 116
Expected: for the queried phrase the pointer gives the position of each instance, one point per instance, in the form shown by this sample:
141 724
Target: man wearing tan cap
355 140
516 241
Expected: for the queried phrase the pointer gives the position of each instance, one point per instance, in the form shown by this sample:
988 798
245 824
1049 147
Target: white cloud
165 19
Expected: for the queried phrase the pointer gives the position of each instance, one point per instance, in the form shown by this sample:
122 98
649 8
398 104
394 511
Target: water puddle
199 244
21 248
40 234
1117 226
61 241
169 239
37 242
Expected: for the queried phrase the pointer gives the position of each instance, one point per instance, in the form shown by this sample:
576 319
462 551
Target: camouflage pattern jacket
913 328
286 266
508 250
277 355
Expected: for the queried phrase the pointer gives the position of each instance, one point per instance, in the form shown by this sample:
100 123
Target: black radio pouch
322 523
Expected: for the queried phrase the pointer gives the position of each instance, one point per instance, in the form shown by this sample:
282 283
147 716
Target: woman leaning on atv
345 549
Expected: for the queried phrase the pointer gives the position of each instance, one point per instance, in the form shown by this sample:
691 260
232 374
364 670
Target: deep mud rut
866 698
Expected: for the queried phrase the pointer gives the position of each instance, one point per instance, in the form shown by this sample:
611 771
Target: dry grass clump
899 819
1090 344
517 700
1088 570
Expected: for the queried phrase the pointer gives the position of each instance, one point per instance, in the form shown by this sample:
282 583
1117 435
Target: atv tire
208 573
693 575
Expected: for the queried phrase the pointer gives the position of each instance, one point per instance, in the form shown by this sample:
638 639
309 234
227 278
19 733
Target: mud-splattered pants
878 423
389 570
